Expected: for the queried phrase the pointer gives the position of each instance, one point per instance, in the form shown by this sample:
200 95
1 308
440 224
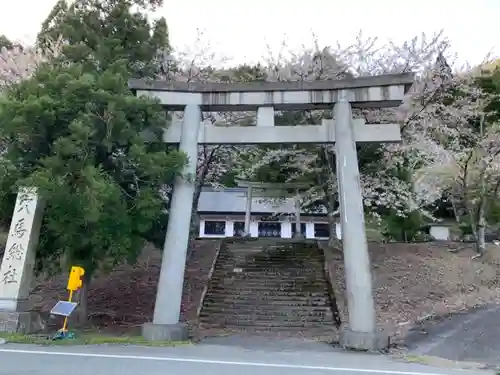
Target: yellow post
65 325
75 282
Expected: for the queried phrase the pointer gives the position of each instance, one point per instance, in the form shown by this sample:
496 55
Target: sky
242 30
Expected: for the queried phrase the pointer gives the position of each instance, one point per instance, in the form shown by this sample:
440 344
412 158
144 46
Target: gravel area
414 282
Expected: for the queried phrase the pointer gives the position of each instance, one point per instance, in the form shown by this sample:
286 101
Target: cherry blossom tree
469 149
19 62
396 184
383 183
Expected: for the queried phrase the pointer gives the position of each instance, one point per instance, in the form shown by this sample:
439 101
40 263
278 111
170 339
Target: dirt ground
120 302
414 282
411 281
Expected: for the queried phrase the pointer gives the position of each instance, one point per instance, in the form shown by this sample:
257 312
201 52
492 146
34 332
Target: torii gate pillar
166 325
361 332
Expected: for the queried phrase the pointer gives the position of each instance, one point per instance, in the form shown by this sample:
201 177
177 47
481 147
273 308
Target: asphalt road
468 337
206 359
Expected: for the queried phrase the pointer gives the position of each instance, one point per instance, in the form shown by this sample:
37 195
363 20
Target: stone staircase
269 286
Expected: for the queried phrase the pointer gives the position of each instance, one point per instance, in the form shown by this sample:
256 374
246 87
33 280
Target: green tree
98 33
76 132
5 42
79 138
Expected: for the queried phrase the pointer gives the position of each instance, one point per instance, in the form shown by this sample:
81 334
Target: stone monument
16 272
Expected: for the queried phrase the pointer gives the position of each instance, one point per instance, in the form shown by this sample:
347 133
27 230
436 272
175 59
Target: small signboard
63 308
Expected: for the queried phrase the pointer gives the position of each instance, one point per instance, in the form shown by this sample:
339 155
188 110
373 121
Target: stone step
270 298
270 265
248 291
260 256
238 279
242 248
261 262
277 290
280 266
268 274
319 299
270 277
307 276
265 282
259 304
297 302
268 311
242 277
300 332
274 243
322 332
276 282
277 319
259 253
262 272
262 304
269 253
313 266
256 324
224 301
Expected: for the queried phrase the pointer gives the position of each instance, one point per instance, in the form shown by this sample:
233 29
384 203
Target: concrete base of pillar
21 322
363 341
165 332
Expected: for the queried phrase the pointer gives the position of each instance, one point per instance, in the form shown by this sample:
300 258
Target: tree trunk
481 220
200 181
195 218
480 232
83 295
333 241
456 211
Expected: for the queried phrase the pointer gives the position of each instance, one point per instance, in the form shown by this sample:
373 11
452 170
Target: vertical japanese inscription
10 275
20 228
15 252
19 236
24 201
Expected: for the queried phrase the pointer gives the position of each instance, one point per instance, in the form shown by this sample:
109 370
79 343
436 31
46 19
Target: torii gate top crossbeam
365 92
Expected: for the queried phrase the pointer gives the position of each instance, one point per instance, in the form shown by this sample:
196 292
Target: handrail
333 299
209 277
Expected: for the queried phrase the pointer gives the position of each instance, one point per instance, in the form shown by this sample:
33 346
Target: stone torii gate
272 190
264 98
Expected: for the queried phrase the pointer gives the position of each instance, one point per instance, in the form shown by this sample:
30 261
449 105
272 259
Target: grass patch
373 230
443 363
424 360
86 338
